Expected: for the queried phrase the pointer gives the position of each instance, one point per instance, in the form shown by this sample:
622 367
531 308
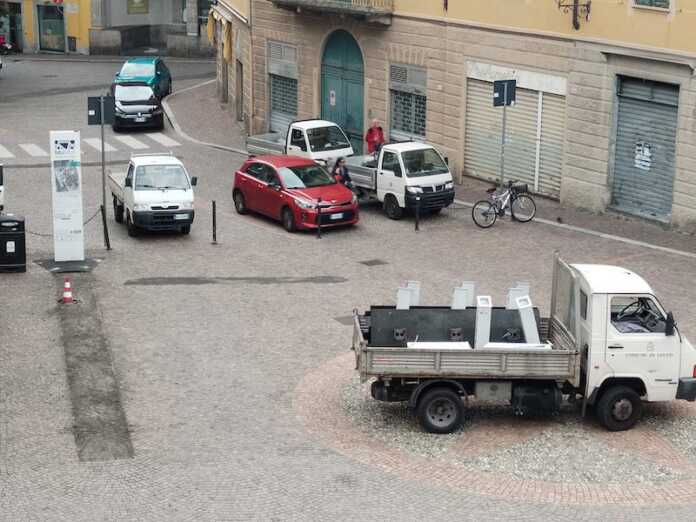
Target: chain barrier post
107 242
319 218
418 204
214 223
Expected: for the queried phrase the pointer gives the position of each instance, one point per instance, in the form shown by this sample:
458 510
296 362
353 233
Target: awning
227 42
211 28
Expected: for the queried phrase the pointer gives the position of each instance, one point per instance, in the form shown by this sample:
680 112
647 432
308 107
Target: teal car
150 71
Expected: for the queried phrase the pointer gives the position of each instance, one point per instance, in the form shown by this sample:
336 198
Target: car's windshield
327 138
137 69
423 162
306 176
158 177
131 93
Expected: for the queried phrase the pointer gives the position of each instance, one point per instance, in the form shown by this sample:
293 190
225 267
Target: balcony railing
361 8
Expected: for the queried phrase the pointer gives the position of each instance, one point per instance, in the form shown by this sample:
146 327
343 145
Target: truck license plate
139 120
337 216
180 216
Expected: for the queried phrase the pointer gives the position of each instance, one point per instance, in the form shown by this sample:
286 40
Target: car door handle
615 347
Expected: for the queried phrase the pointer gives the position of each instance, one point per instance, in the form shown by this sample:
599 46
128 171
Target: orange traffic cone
67 292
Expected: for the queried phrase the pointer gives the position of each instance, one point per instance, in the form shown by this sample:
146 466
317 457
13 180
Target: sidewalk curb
172 119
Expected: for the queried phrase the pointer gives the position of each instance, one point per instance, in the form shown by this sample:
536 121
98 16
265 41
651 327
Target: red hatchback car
289 189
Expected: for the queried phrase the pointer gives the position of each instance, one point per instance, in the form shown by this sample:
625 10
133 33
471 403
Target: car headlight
140 207
414 190
187 205
118 110
305 204
354 200
449 185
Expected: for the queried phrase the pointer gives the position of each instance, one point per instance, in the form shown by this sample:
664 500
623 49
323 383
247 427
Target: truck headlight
414 190
449 185
305 204
187 205
140 207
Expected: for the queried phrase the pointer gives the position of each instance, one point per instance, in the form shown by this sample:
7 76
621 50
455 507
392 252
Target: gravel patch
565 451
680 432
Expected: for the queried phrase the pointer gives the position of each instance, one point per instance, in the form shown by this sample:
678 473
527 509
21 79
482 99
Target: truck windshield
423 162
161 177
306 176
327 138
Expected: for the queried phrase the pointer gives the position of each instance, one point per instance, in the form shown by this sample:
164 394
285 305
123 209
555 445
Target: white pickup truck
608 341
403 176
319 140
155 193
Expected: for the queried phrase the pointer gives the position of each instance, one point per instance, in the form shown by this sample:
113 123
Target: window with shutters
408 101
657 4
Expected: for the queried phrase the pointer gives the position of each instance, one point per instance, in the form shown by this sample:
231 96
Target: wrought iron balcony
377 10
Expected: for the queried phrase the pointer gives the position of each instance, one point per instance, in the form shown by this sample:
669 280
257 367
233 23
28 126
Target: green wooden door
342 86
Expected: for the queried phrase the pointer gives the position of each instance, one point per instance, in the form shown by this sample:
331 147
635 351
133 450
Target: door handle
615 347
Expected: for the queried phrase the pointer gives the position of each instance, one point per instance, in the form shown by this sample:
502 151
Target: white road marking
130 141
5 154
33 150
163 139
95 143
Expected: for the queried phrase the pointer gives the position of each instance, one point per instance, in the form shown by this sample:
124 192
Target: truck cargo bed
362 170
270 143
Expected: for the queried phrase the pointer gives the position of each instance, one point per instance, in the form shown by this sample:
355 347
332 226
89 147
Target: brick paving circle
318 401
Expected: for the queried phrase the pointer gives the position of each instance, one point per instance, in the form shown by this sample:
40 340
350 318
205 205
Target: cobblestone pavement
236 380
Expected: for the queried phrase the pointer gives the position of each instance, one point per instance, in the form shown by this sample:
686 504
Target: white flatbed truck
608 342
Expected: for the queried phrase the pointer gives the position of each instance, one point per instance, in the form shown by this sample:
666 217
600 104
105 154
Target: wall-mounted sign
138 6
643 156
66 181
332 98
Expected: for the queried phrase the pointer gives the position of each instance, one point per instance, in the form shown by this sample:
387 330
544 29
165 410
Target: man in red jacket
374 137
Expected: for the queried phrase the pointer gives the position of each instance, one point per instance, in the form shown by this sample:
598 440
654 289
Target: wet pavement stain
194 281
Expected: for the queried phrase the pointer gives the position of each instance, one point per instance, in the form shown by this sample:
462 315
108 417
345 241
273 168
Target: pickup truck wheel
619 408
239 203
288 220
440 411
130 226
392 208
118 211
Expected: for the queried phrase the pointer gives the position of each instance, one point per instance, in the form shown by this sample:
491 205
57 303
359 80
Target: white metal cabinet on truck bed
608 340
155 193
402 176
319 140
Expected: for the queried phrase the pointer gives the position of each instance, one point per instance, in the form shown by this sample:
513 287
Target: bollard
417 213
107 242
214 223
319 218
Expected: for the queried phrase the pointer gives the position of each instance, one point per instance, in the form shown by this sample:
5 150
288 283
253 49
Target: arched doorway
342 90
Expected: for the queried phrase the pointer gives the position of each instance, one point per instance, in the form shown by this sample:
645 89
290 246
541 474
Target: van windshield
423 162
161 177
327 138
305 176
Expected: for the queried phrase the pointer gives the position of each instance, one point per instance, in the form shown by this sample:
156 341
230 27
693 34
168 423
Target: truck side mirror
446 160
129 182
669 324
194 181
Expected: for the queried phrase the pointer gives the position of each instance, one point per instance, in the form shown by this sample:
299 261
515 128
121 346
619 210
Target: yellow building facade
47 25
605 112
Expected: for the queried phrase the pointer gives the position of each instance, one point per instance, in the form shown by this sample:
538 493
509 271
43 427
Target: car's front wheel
288 219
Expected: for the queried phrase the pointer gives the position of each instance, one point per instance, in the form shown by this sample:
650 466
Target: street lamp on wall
577 9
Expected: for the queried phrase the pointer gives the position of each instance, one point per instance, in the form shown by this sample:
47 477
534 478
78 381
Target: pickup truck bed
261 144
362 170
116 181
393 359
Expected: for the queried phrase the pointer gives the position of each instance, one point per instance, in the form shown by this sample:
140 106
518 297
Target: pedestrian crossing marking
5 154
95 143
163 139
130 141
33 149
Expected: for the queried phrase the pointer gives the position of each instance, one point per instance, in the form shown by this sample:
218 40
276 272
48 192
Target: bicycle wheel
523 208
484 214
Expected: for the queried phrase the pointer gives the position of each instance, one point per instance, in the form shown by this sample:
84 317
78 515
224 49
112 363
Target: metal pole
319 218
502 141
214 223
103 157
417 213
107 242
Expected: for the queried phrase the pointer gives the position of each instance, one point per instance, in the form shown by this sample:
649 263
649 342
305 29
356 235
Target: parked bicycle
511 195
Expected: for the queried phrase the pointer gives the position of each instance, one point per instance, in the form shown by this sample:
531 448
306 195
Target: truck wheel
288 220
440 411
186 229
118 211
239 203
130 226
392 208
619 408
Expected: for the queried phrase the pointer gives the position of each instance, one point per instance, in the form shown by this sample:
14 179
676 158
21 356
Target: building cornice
228 12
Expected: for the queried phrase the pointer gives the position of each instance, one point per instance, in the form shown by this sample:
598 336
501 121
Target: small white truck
608 342
155 193
403 176
320 140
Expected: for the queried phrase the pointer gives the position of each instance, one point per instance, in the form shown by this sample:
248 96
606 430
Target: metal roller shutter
282 79
643 178
534 143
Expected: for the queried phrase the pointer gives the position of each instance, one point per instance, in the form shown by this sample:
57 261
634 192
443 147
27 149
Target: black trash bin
13 252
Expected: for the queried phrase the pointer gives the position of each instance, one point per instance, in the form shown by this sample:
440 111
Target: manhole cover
373 262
